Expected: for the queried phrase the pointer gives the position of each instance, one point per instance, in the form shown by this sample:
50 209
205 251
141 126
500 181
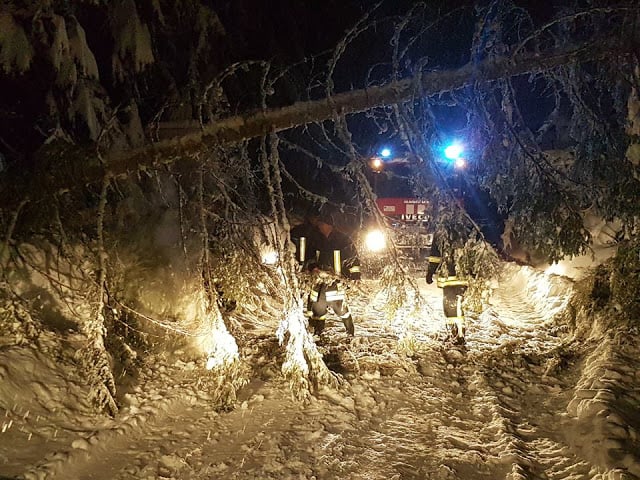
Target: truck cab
407 222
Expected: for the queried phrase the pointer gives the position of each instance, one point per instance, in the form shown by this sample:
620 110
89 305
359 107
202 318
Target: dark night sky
289 30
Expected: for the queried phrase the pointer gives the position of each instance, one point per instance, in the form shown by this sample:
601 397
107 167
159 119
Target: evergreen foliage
625 280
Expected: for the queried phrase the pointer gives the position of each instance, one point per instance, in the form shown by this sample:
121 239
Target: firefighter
453 290
330 255
305 237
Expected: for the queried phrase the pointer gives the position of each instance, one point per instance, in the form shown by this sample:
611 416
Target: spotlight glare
385 152
375 241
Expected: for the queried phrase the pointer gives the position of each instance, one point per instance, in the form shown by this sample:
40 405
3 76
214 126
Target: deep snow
523 399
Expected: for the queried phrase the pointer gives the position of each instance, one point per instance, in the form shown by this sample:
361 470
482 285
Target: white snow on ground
523 399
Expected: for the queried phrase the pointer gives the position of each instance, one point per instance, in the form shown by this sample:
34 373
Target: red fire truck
407 222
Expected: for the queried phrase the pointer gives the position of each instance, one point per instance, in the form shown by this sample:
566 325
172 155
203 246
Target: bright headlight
375 241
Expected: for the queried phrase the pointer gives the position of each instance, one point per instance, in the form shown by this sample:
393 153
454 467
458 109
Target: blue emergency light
453 151
385 152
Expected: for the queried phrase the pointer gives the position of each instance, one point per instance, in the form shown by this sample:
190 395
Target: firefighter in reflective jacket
453 289
329 254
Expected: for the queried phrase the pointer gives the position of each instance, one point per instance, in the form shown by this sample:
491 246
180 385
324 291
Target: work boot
348 325
455 334
318 326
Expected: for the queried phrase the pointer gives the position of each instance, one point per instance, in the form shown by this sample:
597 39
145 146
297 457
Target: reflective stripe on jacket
452 281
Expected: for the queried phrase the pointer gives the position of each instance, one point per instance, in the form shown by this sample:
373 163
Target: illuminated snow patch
221 349
214 340
556 269
415 319
294 324
528 289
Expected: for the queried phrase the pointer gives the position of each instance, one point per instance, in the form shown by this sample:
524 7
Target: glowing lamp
376 164
460 163
453 152
375 241
268 255
385 152
270 258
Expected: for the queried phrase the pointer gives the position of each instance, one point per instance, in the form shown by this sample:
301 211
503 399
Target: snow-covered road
521 400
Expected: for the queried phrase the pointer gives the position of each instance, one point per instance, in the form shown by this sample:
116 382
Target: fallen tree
87 169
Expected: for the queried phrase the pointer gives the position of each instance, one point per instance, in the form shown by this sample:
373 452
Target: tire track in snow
466 413
513 436
431 434
532 403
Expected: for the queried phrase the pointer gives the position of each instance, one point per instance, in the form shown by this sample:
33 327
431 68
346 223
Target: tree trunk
258 123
